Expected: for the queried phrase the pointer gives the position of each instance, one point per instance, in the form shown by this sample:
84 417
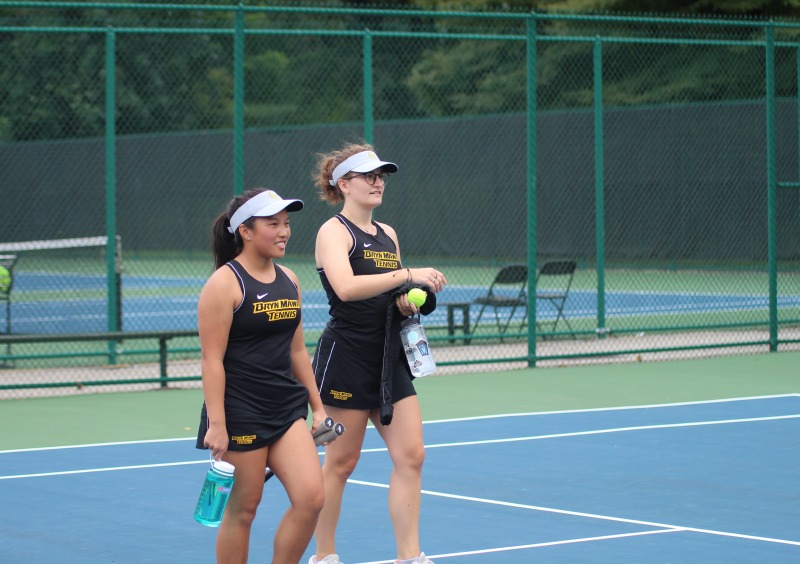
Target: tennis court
607 464
174 306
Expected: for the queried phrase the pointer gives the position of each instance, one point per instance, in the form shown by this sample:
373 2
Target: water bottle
215 493
417 349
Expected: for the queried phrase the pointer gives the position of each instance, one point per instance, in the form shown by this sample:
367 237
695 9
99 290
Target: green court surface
101 418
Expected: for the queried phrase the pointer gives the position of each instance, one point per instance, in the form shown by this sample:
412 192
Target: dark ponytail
225 245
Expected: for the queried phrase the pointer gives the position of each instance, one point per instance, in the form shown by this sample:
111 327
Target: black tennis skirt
345 379
245 433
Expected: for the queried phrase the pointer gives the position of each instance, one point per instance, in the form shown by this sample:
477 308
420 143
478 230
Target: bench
465 323
112 337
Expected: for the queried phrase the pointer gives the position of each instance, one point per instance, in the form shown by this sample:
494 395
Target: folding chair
507 291
558 274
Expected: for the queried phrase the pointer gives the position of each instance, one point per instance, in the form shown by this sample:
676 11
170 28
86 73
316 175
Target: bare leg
341 457
295 461
404 440
233 537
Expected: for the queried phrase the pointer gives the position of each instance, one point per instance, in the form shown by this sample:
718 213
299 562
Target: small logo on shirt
262 296
243 439
367 244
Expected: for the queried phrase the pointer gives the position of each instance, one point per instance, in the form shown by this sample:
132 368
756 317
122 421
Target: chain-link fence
659 155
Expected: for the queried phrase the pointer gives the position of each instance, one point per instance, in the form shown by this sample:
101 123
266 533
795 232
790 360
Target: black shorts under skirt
249 434
345 379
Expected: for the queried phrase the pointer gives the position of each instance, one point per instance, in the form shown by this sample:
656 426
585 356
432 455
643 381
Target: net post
118 281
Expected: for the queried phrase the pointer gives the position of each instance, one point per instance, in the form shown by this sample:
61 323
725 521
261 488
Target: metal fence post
113 299
530 46
599 184
369 117
238 101
772 200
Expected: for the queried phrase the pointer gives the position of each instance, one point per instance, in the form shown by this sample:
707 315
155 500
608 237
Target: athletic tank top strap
370 254
238 271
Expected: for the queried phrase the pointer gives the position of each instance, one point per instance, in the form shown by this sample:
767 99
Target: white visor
365 161
265 204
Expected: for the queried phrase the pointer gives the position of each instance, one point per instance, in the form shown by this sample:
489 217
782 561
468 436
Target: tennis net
63 286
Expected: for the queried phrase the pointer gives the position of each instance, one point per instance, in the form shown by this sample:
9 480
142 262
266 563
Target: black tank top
258 367
360 325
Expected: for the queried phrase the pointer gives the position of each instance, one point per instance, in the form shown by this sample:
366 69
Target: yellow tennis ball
5 280
417 296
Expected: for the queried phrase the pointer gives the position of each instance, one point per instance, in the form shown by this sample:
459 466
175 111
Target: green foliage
453 78
469 77
755 8
53 82
52 85
173 83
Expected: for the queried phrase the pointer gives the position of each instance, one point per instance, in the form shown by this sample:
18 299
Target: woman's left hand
404 306
317 418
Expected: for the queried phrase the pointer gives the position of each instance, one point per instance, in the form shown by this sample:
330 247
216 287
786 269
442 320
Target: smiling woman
257 377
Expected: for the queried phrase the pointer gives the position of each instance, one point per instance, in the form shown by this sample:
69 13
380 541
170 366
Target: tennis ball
5 280
417 296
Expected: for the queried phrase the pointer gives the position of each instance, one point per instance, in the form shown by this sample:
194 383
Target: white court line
93 445
440 445
582 514
458 419
539 544
599 432
111 469
619 408
663 527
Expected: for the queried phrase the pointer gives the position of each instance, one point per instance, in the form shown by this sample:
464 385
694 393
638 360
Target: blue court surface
703 482
147 307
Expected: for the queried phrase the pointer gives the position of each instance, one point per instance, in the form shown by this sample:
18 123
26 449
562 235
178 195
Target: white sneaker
330 559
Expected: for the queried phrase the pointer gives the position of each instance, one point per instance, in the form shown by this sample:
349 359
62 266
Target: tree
473 77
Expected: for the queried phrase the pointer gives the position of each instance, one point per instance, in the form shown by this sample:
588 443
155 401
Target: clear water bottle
417 348
215 493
